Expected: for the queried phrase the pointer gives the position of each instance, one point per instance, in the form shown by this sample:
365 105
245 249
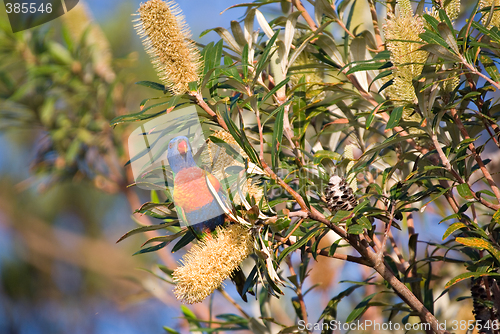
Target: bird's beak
182 147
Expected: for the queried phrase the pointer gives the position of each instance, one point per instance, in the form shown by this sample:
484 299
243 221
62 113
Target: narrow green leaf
274 90
333 247
490 67
190 316
277 136
145 229
244 61
324 154
464 191
453 216
151 249
330 311
444 17
185 240
440 51
496 216
360 308
170 330
480 244
396 115
298 244
452 228
368 67
448 36
230 70
265 57
433 38
465 276
165 239
153 85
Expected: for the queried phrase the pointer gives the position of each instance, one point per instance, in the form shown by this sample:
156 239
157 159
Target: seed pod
485 292
339 195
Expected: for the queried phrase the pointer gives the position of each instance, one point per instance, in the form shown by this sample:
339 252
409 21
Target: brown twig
381 251
448 167
300 7
298 290
474 70
376 29
233 302
208 110
284 240
478 159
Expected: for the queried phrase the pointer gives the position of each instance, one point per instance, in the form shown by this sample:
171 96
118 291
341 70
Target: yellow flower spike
495 19
402 34
452 9
165 37
210 262
405 7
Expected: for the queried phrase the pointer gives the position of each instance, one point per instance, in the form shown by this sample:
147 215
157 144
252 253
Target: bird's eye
170 145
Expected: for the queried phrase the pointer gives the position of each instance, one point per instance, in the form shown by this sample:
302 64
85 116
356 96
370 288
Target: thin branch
398 253
235 304
289 234
381 251
376 29
444 159
261 136
472 147
300 7
474 70
448 167
298 291
208 110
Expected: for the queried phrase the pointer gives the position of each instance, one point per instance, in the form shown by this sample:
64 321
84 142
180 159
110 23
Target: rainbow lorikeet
194 200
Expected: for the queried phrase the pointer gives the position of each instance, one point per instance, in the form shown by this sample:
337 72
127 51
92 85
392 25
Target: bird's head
179 154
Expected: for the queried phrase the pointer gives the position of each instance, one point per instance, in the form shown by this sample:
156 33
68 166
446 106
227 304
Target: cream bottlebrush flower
495 19
313 75
402 34
165 37
210 262
452 9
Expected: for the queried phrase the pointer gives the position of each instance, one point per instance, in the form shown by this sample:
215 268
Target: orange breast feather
190 189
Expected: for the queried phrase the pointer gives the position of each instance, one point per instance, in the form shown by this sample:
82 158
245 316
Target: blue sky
199 14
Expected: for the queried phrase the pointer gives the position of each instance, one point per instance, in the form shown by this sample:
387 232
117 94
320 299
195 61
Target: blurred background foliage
64 199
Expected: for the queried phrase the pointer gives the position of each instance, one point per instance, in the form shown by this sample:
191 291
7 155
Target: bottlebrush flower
165 37
210 262
402 34
495 19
